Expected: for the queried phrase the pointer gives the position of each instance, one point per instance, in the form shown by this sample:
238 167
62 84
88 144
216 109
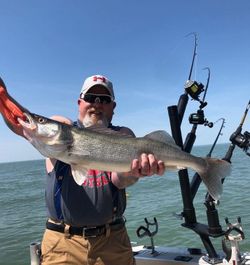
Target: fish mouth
28 123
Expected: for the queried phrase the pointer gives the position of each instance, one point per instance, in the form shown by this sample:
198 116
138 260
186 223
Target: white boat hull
165 255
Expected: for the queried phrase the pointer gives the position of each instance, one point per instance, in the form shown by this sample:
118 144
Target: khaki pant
115 249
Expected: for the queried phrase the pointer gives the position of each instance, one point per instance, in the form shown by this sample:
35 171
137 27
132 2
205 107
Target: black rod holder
175 116
214 227
182 104
209 247
190 139
188 211
175 125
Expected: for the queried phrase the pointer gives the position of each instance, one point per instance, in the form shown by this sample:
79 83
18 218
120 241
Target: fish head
46 135
39 127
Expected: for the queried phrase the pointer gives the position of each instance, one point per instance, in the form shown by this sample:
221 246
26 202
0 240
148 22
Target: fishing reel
199 118
194 89
241 140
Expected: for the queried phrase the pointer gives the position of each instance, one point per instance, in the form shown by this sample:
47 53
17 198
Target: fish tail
212 175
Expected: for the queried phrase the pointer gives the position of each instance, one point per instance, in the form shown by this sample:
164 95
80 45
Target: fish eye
41 120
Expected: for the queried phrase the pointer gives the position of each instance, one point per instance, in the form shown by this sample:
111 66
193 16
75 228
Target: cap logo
103 79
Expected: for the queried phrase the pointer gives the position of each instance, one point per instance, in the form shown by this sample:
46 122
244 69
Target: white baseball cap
98 80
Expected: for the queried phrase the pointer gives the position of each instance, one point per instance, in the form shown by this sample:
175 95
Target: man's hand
146 165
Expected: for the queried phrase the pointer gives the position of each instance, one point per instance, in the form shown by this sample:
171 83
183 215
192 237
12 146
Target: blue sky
48 48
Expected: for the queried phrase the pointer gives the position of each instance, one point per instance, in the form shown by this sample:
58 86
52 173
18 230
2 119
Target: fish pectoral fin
79 174
161 136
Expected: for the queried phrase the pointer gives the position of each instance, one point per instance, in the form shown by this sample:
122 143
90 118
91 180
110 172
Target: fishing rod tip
206 68
192 33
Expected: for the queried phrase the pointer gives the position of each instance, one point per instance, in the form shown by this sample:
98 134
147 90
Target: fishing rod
183 100
197 118
242 141
239 139
176 113
194 53
217 137
214 227
196 178
192 89
188 213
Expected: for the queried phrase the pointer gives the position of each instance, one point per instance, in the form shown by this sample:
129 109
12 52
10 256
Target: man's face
96 112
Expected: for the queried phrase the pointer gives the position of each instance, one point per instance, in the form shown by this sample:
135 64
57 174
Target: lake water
22 218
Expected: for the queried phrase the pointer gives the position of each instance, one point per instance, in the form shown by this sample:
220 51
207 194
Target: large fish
103 149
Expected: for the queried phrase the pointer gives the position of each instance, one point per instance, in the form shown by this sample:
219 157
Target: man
85 222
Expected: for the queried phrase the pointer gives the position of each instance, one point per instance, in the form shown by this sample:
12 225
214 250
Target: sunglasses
96 98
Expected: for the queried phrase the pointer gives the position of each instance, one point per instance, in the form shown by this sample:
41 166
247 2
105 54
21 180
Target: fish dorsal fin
161 136
79 174
105 130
